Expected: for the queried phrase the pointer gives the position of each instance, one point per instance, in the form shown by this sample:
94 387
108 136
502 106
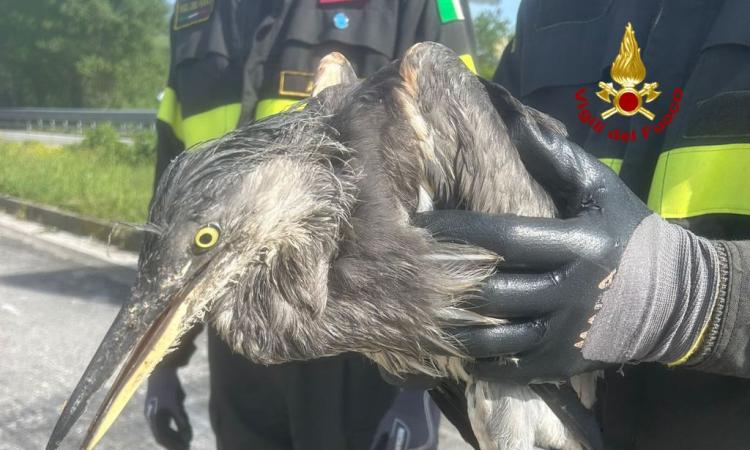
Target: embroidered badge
191 12
628 99
450 10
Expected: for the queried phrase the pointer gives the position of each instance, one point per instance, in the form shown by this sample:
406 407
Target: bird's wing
469 158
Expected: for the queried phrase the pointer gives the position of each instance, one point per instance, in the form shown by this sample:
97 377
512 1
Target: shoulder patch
191 12
450 10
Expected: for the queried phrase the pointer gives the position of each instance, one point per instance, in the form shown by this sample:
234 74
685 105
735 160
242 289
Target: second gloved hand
607 283
165 406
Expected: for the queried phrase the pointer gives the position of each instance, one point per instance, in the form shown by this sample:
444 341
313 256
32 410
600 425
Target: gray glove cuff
661 299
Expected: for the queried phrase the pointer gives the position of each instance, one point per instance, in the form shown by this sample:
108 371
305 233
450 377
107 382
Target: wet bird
294 237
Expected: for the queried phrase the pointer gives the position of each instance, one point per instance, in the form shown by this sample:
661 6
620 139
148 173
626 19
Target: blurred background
113 55
80 81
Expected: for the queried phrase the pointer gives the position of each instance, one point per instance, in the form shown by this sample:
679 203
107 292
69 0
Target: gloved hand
648 287
164 405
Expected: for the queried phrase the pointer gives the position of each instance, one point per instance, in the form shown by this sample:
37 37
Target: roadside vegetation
100 177
115 53
83 53
109 54
493 33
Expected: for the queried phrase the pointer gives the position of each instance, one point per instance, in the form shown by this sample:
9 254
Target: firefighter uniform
237 60
690 164
233 61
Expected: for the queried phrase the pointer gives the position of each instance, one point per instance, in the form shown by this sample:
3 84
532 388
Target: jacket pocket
718 92
551 13
550 56
725 115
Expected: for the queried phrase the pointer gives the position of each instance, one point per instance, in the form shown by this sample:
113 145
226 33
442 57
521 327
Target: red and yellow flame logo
629 71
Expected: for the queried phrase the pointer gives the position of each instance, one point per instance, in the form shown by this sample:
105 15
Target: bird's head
243 229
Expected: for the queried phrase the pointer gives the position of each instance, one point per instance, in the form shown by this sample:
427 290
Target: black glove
555 272
165 403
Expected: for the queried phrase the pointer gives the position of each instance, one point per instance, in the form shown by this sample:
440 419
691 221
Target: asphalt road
55 307
58 295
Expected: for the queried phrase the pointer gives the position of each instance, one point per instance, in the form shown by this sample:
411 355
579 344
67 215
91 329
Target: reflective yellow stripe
469 61
199 127
698 341
613 163
170 112
210 124
271 106
709 179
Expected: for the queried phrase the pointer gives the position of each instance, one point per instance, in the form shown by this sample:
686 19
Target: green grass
109 181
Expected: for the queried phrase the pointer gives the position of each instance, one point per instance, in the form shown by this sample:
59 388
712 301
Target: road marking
10 309
49 239
46 138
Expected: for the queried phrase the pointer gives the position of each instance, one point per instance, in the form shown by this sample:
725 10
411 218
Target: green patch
111 182
191 12
450 10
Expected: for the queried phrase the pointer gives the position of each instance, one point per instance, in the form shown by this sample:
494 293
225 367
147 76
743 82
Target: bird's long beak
141 336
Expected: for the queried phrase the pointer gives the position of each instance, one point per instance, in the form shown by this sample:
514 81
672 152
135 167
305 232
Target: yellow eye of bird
207 237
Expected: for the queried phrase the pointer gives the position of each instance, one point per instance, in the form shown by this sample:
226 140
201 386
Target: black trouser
326 404
652 407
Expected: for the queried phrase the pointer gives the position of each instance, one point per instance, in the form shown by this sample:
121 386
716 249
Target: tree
493 33
82 53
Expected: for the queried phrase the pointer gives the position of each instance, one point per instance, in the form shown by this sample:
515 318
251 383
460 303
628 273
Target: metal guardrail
76 119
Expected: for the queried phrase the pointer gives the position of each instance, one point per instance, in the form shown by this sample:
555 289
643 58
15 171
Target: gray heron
294 237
